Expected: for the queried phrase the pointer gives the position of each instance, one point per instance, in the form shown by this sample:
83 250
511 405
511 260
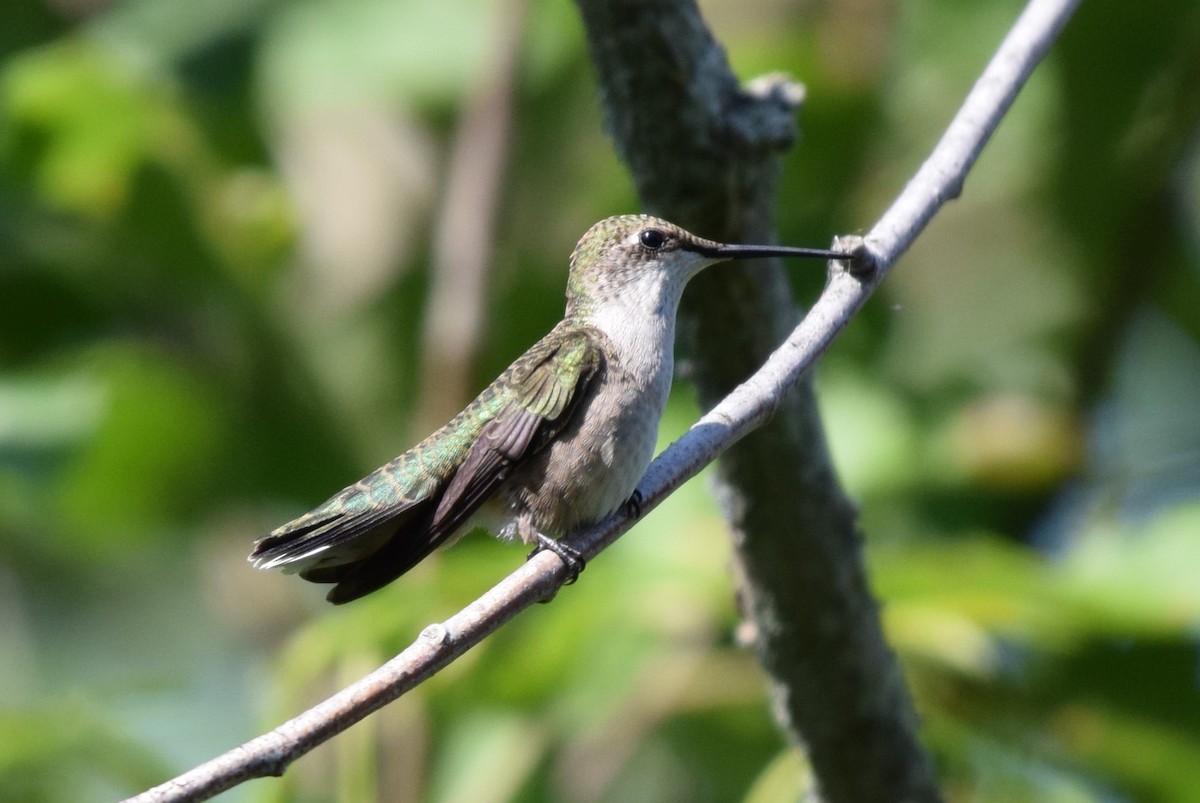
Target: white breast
593 466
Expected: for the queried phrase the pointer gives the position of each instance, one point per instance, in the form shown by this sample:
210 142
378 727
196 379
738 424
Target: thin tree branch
748 406
707 153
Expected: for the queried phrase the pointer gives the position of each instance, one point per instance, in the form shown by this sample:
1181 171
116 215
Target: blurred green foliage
214 245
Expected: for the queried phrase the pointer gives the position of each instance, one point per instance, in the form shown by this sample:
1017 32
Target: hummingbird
558 442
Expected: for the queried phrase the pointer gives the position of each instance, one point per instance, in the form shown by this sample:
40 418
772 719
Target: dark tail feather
291 542
404 550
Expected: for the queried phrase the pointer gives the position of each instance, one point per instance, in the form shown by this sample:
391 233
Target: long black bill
752 251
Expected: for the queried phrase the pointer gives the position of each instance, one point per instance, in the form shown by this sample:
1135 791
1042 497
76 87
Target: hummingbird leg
633 505
569 556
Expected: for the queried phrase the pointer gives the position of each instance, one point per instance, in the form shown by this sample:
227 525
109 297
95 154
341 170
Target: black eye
652 239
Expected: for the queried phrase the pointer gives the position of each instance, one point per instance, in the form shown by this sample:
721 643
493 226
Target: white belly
594 466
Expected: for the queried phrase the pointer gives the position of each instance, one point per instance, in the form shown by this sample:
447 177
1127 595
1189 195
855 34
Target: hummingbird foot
569 556
633 505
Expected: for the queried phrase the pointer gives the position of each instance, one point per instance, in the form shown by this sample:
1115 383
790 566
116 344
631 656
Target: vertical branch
706 152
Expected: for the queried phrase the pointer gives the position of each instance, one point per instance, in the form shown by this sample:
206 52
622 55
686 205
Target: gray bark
706 153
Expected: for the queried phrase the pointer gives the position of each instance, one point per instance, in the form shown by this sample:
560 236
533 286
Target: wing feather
552 389
362 542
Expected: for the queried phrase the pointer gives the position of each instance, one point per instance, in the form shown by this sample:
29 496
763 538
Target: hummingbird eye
652 239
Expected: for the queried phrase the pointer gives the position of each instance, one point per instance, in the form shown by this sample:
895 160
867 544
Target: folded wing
377 529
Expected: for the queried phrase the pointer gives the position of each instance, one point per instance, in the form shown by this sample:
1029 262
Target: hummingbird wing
541 407
374 531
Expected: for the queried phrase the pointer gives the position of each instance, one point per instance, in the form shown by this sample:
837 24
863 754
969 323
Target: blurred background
252 249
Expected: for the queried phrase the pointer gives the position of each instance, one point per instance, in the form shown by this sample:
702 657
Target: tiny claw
570 557
633 505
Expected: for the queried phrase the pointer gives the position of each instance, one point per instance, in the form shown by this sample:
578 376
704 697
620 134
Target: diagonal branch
747 407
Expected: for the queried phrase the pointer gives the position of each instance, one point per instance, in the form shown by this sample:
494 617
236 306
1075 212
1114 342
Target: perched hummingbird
557 443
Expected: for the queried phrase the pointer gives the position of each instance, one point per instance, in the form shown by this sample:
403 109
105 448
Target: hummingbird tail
359 552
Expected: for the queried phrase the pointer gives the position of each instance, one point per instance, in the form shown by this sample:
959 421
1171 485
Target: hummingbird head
644 260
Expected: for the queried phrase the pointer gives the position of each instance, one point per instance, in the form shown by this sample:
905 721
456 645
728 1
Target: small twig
850 284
